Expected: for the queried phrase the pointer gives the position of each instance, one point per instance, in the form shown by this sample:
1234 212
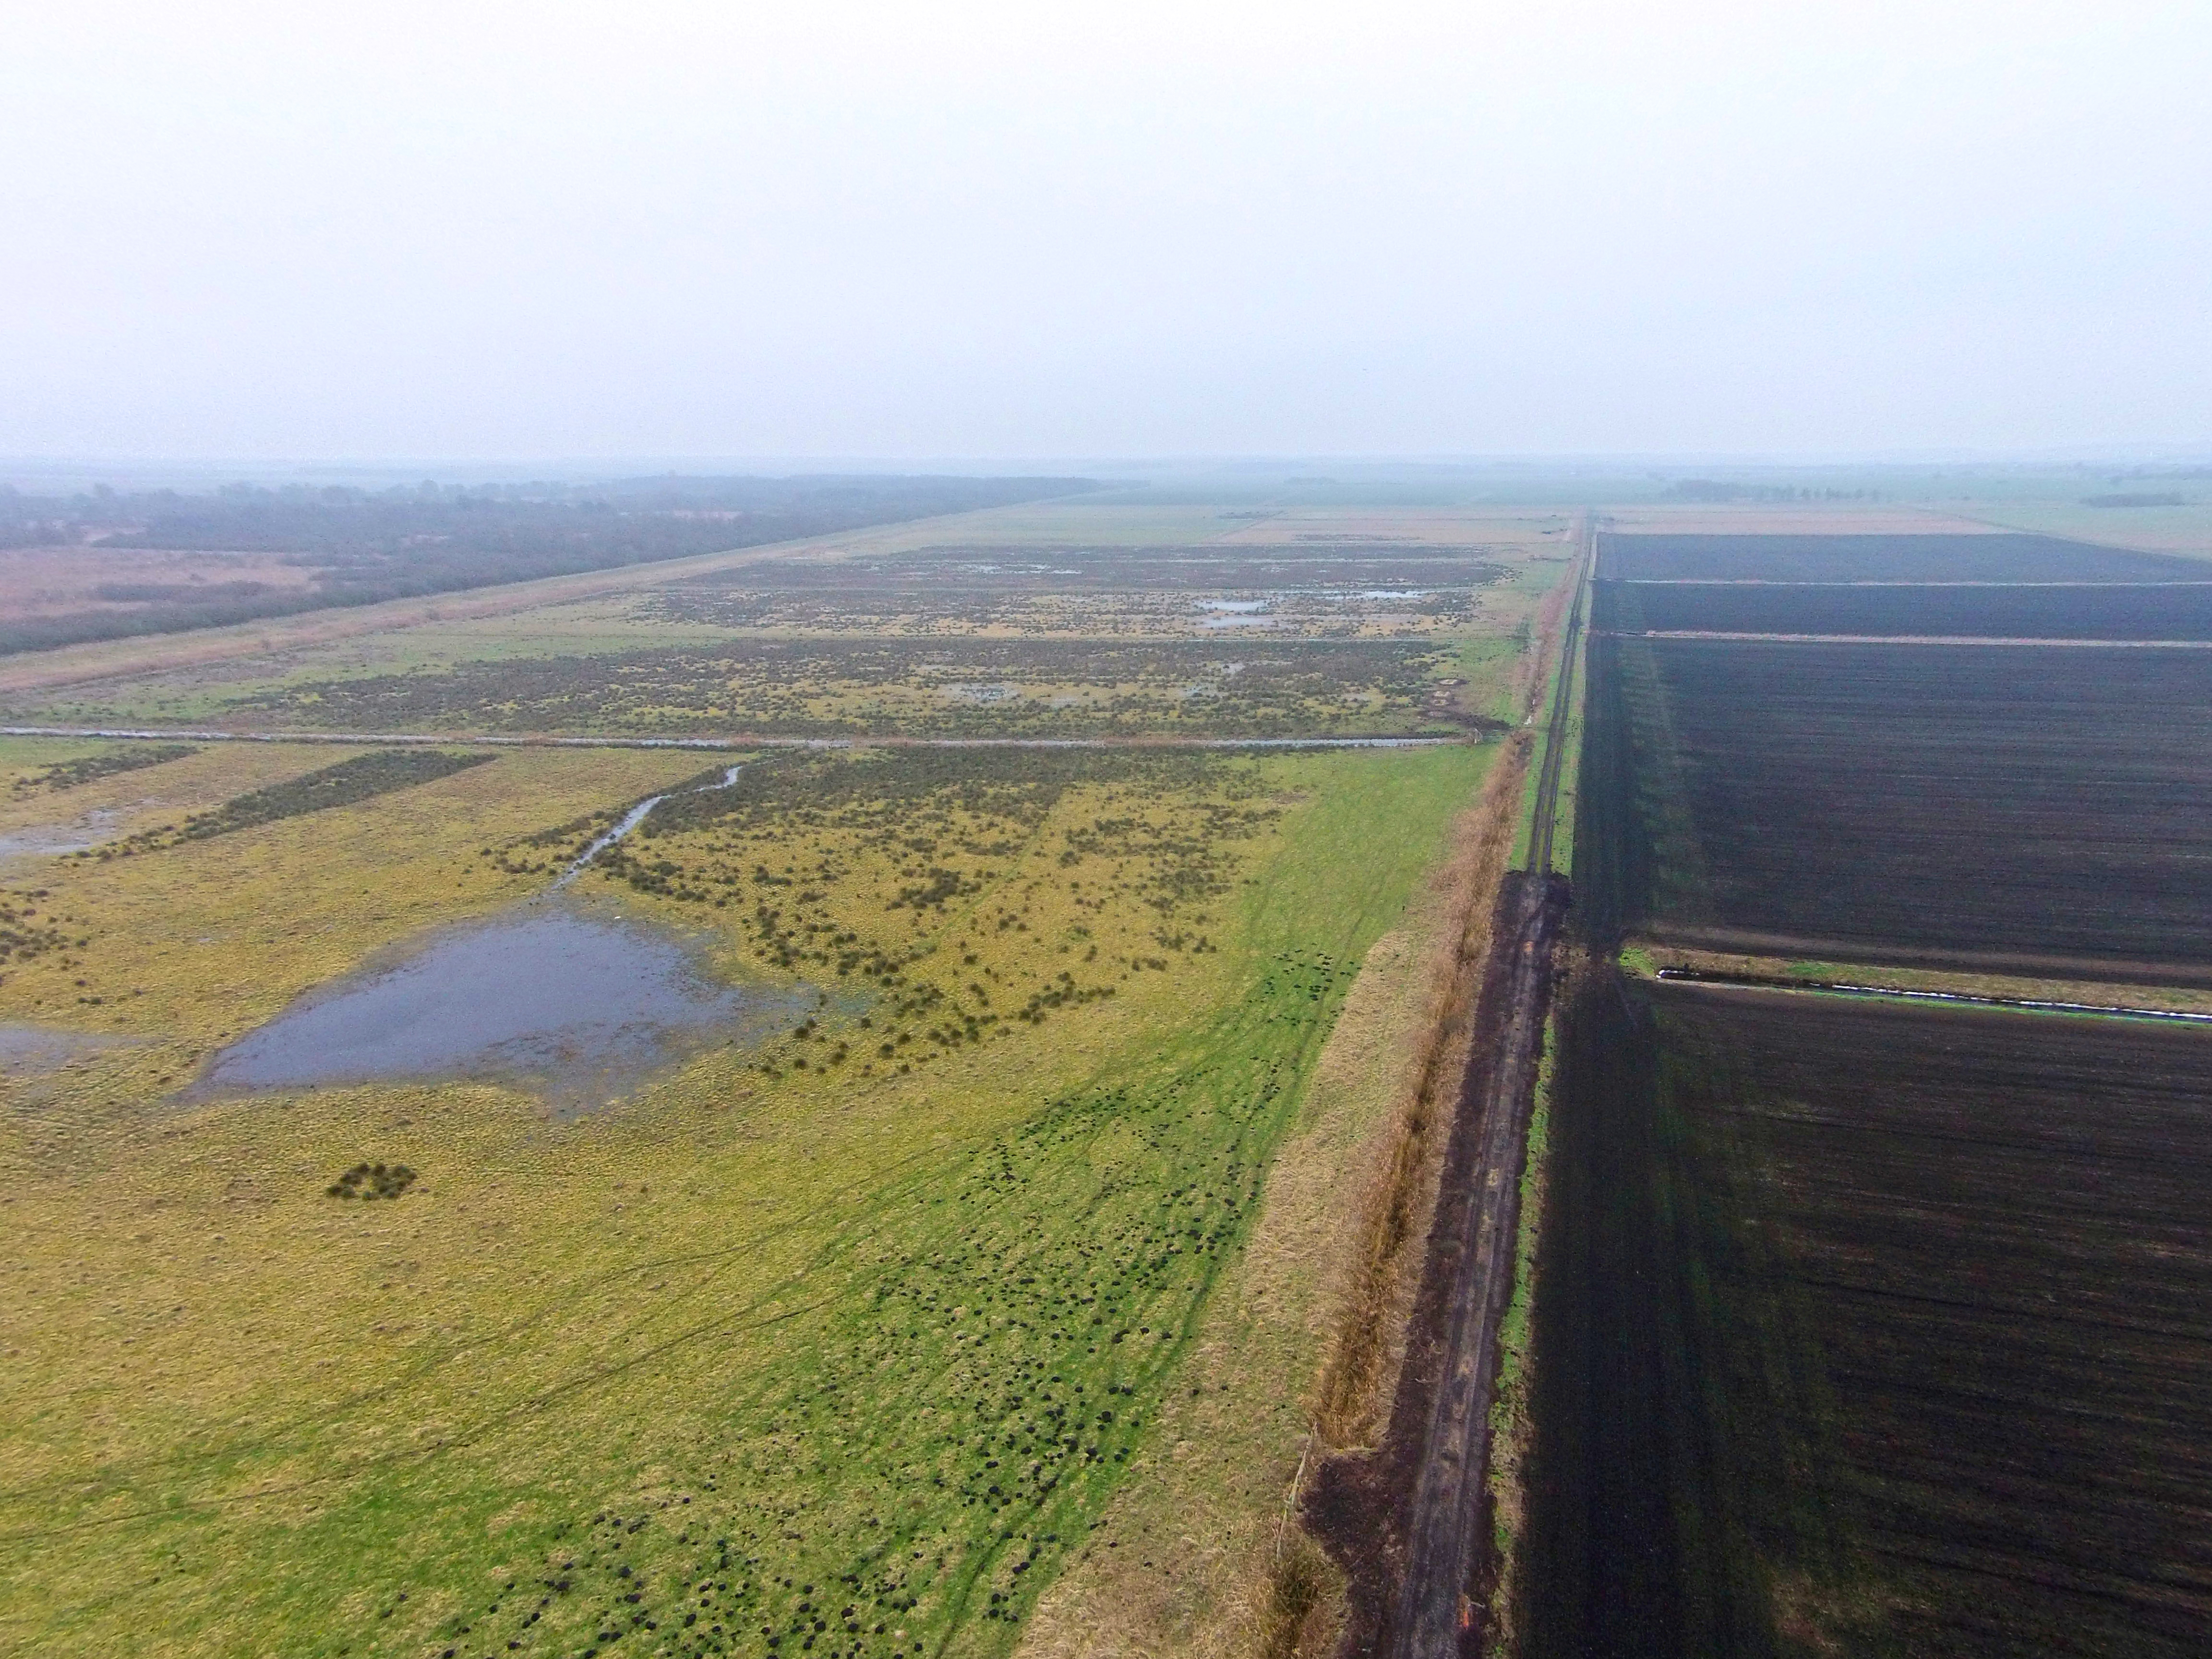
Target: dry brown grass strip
1399 1193
1301 1584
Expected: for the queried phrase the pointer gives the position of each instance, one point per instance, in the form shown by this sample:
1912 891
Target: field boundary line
1904 639
480 739
1720 981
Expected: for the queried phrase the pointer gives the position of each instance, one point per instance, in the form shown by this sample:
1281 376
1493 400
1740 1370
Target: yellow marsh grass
123 803
240 1413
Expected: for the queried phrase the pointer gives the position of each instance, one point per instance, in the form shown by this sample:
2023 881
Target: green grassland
817 1348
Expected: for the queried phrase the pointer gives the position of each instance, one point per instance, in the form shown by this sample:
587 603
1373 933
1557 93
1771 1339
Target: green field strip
1571 663
1563 820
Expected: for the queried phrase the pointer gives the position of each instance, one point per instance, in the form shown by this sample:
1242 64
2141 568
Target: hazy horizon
246 237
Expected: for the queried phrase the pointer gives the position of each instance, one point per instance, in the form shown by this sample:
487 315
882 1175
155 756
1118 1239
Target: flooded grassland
840 1328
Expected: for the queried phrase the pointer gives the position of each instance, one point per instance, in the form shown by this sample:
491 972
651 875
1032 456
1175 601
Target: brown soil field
1860 557
2116 612
1872 1330
53 581
1926 803
1755 520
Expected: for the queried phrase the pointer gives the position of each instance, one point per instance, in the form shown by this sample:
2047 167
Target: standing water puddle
578 1001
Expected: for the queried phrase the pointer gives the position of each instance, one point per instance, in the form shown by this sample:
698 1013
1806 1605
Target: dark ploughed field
1905 1354
2146 611
1951 800
1942 558
1867 1327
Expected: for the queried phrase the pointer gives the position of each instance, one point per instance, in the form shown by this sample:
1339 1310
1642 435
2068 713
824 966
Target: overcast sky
542 230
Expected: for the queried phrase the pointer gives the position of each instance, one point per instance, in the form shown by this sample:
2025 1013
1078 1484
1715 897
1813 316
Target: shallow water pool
577 1002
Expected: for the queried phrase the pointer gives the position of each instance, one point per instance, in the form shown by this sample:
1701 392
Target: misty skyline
247 232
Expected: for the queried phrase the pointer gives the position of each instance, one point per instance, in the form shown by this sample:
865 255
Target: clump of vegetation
368 1182
363 778
26 931
130 757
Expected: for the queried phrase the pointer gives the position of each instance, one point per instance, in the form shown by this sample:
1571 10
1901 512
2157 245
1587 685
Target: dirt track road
1444 1525
1408 1519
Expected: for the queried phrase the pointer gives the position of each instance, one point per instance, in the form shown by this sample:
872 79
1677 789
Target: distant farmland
108 567
2150 611
1946 558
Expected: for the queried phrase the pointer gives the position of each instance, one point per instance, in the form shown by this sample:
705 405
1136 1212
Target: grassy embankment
1295 1357
1298 1359
758 1349
1511 1423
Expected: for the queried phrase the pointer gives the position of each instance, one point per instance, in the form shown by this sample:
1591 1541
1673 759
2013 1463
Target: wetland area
526 1197
577 1002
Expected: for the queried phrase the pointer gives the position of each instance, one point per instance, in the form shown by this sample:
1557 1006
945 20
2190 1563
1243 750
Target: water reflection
575 1001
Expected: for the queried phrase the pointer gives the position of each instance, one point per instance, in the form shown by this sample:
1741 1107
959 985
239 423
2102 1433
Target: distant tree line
1717 490
367 545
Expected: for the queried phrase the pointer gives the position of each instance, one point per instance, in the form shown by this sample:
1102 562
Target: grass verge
1201 1554
1511 1418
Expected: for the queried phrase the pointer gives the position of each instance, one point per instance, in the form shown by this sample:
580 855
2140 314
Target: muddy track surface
1408 1522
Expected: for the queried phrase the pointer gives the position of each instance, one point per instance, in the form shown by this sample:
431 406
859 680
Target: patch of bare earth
38 582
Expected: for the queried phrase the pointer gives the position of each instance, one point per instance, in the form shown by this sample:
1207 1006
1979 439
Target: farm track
1410 1520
